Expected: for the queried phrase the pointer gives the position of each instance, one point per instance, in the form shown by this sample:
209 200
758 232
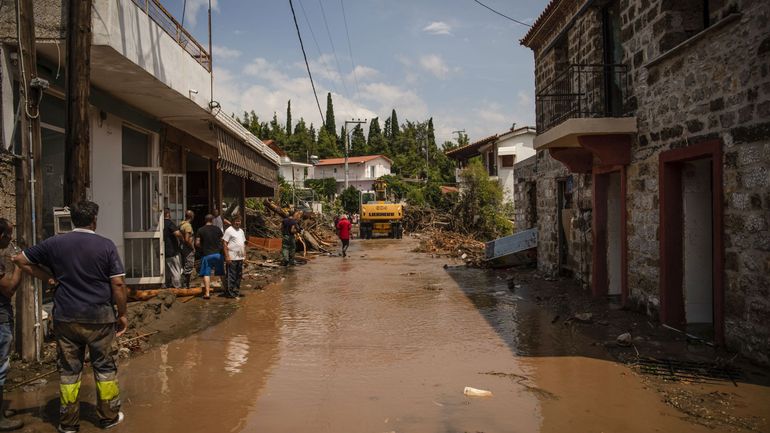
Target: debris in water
624 339
474 392
583 317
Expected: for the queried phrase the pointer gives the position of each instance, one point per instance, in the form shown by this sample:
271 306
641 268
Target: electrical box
62 222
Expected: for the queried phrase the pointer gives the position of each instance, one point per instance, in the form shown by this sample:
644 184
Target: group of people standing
222 247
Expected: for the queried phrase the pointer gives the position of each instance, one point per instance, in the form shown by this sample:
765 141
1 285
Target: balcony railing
583 91
171 26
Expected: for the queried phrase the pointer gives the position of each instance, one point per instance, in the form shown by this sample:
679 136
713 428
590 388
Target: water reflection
237 354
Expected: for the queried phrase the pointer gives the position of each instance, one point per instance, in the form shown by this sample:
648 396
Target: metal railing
171 26
583 91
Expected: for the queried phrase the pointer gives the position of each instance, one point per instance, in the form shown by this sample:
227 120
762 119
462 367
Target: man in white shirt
235 239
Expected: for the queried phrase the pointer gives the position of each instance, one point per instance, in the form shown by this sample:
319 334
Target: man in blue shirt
90 280
9 282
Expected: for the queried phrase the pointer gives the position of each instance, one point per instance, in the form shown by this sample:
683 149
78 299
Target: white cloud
363 73
225 53
387 97
438 28
192 9
434 64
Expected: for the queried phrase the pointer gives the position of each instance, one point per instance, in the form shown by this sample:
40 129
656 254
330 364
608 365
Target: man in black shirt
289 227
171 237
209 242
9 282
91 280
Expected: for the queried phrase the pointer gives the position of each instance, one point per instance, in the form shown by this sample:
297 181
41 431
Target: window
335 170
507 160
136 148
371 172
682 20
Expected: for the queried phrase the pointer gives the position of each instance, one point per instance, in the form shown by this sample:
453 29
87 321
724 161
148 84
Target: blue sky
453 60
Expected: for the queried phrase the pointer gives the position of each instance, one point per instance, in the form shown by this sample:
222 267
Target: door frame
672 228
599 271
157 234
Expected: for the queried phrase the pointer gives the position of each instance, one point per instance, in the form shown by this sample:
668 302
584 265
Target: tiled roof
469 149
352 160
542 23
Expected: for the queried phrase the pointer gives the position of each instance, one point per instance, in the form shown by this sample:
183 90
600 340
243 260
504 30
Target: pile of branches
419 218
316 234
452 244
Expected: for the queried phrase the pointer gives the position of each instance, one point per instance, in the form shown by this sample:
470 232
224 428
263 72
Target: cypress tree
288 118
375 140
393 125
330 124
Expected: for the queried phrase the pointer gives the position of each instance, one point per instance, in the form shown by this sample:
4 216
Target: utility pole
459 135
77 171
347 145
28 188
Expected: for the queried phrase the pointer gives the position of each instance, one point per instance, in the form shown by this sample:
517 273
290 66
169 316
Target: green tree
329 124
358 145
349 199
479 209
375 140
394 125
288 118
327 145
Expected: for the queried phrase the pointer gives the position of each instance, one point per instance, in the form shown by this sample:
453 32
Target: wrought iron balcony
583 91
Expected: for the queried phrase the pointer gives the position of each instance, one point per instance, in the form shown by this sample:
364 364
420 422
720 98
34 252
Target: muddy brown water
382 341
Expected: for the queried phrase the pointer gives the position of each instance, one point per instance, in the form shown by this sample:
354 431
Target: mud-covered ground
387 339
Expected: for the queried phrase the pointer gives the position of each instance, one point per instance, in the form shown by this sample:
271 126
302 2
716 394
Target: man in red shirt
343 231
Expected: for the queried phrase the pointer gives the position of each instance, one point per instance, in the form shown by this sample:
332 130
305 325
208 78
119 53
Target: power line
503 15
317 46
307 65
350 50
334 51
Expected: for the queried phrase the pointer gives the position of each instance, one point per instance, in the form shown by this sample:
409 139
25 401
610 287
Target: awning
242 160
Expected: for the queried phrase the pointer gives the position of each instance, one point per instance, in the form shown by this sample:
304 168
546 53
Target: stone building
652 174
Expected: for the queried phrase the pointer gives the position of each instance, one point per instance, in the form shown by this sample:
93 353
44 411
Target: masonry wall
688 85
525 194
718 87
7 187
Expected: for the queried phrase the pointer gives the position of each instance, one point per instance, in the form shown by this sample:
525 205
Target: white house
292 172
158 137
362 170
499 153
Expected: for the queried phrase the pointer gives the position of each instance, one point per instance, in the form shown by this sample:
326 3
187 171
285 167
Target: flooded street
383 341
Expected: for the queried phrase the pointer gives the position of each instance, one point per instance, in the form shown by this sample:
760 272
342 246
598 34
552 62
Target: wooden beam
29 185
77 171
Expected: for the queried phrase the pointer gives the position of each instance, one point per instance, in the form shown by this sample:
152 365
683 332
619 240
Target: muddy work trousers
173 271
188 266
288 248
72 339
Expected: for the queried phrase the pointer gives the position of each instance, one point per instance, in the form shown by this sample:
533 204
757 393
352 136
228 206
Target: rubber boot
5 423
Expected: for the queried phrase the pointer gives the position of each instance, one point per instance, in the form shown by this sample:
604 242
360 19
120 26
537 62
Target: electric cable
503 15
307 65
350 50
334 51
317 46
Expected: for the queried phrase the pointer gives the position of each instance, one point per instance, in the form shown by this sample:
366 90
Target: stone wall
537 185
718 87
715 85
7 187
50 20
525 194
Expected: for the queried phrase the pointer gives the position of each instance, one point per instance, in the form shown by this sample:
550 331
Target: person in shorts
9 282
343 231
209 242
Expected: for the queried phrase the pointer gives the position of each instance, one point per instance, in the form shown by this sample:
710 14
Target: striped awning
241 159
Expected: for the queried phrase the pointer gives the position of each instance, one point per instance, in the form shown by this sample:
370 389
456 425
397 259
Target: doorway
609 233
692 291
198 187
564 216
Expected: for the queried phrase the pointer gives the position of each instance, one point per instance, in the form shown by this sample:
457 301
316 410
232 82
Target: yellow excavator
379 215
